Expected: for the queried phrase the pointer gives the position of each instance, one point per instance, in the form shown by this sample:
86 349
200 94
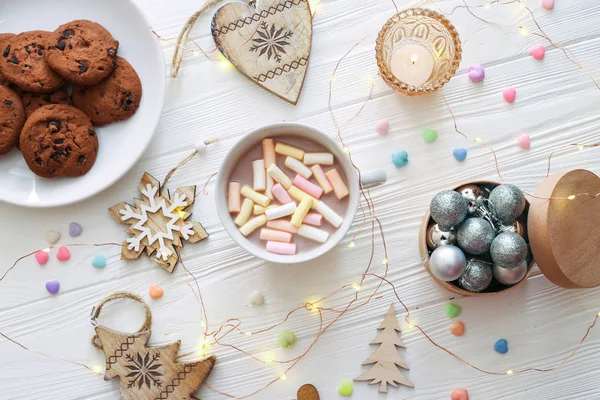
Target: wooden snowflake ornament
158 223
386 357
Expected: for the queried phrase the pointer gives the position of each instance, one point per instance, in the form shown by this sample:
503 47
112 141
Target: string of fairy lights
369 217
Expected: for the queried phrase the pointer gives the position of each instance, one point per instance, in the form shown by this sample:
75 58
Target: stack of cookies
54 130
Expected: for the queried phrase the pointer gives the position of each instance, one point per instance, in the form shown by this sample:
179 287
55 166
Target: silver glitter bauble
437 237
447 263
510 276
475 236
477 276
508 203
471 193
508 249
448 209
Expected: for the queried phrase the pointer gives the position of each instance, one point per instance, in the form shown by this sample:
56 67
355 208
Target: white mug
369 179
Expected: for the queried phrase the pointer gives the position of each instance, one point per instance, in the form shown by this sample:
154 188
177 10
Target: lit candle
412 64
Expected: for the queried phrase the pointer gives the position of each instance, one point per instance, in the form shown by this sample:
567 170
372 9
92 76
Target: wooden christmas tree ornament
268 41
147 372
386 357
158 223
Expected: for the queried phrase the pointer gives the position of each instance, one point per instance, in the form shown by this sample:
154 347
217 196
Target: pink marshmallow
287 249
308 187
313 218
281 194
276 236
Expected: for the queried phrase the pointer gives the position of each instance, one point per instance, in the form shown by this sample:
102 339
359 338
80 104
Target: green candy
452 310
430 135
287 339
346 389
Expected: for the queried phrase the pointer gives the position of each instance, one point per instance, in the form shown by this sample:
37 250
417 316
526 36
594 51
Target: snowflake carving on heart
158 223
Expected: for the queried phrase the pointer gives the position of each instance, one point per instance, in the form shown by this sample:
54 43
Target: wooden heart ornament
563 230
268 41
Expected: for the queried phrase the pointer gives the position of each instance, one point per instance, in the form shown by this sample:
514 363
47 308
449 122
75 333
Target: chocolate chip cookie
12 117
33 101
23 63
114 99
4 38
82 52
59 140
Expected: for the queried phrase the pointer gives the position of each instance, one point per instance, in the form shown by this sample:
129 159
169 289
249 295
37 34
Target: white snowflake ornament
158 222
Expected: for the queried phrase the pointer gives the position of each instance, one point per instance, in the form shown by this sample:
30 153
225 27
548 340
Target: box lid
564 232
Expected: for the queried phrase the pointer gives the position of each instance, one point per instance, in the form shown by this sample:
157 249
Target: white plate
121 143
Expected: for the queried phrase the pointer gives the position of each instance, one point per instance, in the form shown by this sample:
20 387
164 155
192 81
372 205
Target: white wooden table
556 104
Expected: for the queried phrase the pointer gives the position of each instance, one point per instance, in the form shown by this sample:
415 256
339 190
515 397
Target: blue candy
460 154
99 261
400 158
501 346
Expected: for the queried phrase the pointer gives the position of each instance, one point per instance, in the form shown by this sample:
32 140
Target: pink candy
548 4
281 194
314 219
63 254
308 187
538 52
524 141
476 73
42 257
510 94
287 249
382 127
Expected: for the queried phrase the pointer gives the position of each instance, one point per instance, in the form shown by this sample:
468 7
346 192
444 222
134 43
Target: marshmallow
308 187
268 152
279 176
258 210
321 178
339 187
312 218
281 194
312 233
270 184
318 158
299 195
253 224
258 198
258 172
276 236
287 150
282 225
281 211
244 213
331 216
298 167
301 211
233 199
287 249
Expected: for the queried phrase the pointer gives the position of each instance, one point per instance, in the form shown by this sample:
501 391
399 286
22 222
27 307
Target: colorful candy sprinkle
52 237
452 310
156 292
75 229
460 394
510 94
524 141
538 52
257 299
457 328
382 128
548 4
53 286
460 153
99 261
430 135
400 158
346 388
476 73
501 346
42 257
287 339
63 254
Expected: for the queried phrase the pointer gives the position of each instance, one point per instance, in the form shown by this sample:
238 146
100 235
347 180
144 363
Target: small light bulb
203 324
522 5
269 359
283 377
46 250
510 372
355 286
410 324
332 78
487 6
351 244
580 147
571 197
196 53
314 5
97 369
478 140
346 150
385 261
315 307
248 333
599 314
523 31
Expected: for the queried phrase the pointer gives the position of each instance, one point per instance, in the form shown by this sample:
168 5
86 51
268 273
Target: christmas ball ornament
508 203
448 209
471 193
477 276
437 237
518 227
475 236
508 249
510 276
447 263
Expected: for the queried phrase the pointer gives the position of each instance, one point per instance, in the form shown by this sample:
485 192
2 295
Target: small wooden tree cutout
386 357
158 222
150 373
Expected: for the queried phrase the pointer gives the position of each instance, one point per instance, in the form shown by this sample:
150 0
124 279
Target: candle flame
413 59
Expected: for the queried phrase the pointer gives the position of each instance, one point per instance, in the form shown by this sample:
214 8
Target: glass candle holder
418 51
